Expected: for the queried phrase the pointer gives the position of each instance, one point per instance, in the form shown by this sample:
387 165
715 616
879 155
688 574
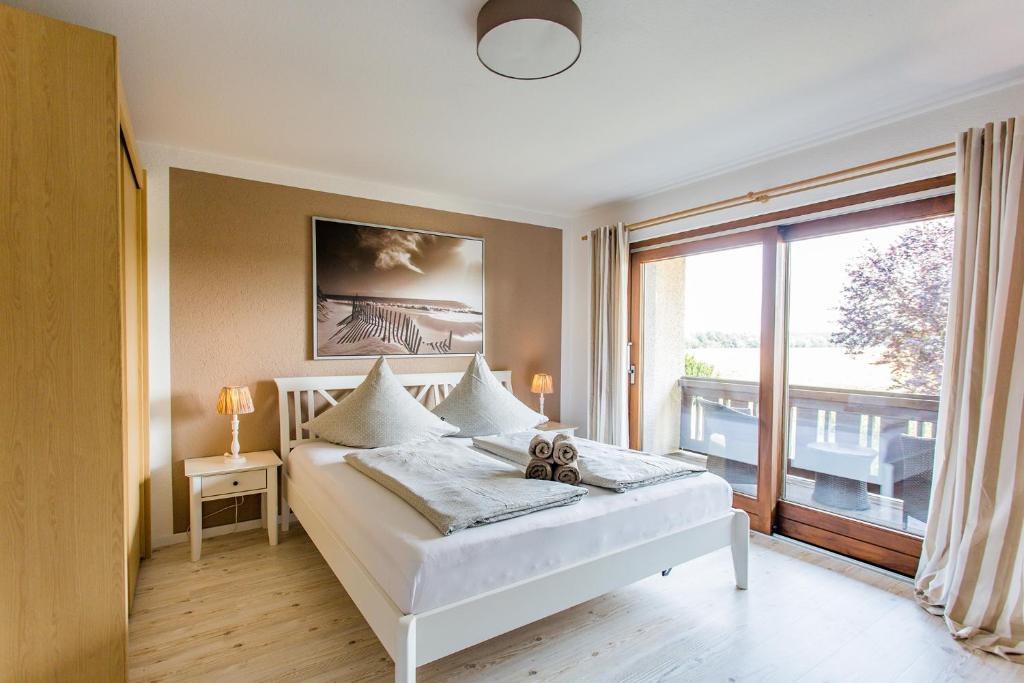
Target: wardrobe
73 360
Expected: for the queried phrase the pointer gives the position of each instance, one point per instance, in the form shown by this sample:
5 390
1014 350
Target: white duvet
421 569
610 467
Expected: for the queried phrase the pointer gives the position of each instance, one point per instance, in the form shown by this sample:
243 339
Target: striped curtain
972 563
609 272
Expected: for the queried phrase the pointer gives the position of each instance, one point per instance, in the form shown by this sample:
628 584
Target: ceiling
665 91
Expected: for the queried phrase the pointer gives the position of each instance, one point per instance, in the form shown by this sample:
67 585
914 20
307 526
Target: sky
369 261
817 276
723 289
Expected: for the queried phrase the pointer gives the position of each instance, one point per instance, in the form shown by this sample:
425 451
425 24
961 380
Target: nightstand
552 426
213 479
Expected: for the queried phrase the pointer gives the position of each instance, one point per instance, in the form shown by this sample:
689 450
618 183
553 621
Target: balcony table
841 474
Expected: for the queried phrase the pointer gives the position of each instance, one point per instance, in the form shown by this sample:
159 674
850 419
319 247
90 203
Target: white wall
665 327
935 127
158 160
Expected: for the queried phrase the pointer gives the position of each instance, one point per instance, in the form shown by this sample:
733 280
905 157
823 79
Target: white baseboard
210 532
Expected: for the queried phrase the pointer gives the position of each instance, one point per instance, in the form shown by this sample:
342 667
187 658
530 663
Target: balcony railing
870 419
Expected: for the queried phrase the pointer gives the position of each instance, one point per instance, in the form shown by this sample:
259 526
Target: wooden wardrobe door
62 564
135 370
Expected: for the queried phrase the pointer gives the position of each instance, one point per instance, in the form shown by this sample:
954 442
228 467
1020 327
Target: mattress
421 570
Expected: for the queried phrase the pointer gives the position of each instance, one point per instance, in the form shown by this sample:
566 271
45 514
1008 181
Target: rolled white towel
540 447
564 450
539 469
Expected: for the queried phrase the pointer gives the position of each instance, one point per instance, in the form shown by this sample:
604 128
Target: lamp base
232 457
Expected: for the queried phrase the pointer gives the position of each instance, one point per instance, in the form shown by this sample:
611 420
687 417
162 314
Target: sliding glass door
803 364
867 327
698 356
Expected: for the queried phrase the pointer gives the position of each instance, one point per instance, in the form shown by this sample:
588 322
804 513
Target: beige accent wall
241 310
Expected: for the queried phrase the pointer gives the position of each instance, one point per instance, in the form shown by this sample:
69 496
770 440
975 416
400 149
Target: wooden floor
250 612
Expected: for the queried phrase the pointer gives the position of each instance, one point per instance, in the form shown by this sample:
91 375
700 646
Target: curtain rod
921 156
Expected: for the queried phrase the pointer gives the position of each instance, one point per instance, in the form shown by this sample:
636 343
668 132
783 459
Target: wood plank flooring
251 612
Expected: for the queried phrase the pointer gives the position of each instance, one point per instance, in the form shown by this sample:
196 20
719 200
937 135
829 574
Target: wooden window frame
892 549
759 507
895 550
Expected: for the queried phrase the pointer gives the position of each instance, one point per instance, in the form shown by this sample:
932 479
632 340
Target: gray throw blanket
608 467
455 487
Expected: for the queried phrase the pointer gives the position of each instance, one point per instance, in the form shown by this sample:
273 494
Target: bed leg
286 512
405 650
740 546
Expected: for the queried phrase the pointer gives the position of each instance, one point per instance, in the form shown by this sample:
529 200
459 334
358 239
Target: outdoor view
867 310
867 318
701 325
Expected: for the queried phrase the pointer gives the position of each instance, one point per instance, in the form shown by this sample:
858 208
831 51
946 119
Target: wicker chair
731 438
914 454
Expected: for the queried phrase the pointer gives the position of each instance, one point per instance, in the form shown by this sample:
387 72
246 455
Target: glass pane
867 327
701 326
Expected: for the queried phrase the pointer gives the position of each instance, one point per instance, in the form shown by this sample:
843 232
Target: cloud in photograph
393 248
362 260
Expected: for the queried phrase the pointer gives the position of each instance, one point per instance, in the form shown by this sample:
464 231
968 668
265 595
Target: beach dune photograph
391 291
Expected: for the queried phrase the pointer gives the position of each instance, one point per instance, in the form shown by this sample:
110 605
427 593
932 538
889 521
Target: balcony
862 454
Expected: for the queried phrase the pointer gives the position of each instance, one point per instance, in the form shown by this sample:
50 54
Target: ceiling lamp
529 39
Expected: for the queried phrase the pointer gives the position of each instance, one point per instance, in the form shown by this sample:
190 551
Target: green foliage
741 340
698 368
896 298
722 340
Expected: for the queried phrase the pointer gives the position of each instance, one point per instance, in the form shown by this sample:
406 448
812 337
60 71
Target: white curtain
609 360
972 563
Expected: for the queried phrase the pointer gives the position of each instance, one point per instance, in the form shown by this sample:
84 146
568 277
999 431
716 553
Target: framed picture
380 290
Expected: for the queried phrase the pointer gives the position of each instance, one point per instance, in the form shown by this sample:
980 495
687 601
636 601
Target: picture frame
395 291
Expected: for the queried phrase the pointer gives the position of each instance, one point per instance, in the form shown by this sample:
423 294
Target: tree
722 340
692 367
897 298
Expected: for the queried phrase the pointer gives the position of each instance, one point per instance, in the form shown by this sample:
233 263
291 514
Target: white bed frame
415 639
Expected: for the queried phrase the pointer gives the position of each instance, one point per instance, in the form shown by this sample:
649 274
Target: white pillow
480 406
380 412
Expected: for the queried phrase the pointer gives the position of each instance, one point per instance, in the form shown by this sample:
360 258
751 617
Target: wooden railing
874 419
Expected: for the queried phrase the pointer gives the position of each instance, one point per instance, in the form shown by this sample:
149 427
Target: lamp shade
529 39
542 384
234 401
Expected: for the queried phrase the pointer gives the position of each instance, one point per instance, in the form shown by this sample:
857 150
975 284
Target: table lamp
234 401
542 384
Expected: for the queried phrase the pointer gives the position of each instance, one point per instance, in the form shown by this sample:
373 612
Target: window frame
888 548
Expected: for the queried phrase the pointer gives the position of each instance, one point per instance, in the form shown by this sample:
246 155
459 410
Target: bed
425 595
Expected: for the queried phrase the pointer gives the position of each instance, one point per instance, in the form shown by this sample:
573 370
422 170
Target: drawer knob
234 483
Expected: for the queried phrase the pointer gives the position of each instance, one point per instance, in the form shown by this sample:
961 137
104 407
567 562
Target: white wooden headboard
301 398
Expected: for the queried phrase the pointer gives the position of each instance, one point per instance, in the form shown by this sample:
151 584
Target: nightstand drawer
239 482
